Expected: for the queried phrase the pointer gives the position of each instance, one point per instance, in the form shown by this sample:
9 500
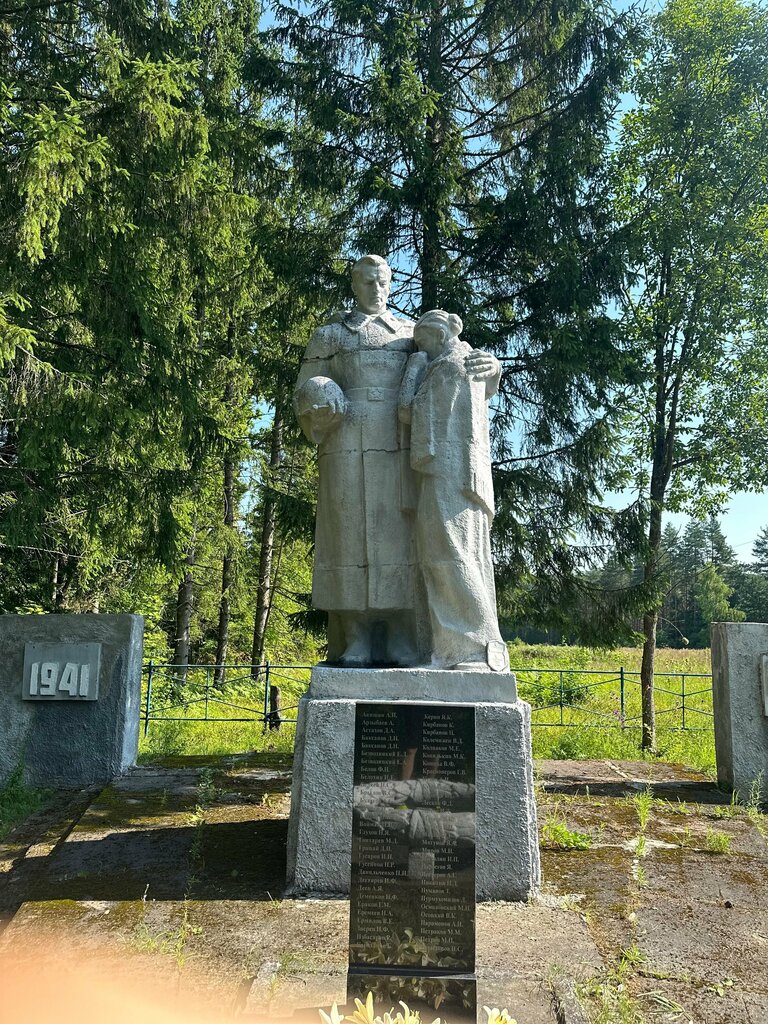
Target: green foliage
176 187
705 584
760 552
693 747
690 173
555 835
17 801
472 146
123 225
156 256
690 170
643 806
581 735
712 598
718 842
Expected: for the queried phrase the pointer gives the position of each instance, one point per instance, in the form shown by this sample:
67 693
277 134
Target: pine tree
713 599
760 552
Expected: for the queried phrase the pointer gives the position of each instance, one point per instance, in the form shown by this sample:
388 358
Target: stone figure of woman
446 405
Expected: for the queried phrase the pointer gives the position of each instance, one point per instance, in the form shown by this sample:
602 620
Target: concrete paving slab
209 837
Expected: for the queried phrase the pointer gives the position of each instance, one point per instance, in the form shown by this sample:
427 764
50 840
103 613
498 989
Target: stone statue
346 400
450 451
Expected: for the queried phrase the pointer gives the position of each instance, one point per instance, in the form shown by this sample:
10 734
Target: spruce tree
470 143
130 246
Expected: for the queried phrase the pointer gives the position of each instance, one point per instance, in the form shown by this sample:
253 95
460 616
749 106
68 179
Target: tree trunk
55 584
184 600
650 621
228 562
62 578
431 256
227 572
660 469
266 552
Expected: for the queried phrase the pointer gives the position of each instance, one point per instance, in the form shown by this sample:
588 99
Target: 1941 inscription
61 671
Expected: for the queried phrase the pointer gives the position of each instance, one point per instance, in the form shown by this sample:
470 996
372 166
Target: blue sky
743 519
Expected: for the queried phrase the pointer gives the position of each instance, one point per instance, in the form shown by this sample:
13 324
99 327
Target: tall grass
17 801
589 725
668 659
211 718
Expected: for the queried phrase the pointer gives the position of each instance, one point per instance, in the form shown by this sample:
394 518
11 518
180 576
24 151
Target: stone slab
413 843
412 684
61 671
320 828
71 743
741 725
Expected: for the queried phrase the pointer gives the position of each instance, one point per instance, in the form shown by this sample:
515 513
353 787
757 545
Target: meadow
576 694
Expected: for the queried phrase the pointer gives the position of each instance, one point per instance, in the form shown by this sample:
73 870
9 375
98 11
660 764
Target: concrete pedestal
320 828
740 692
60 741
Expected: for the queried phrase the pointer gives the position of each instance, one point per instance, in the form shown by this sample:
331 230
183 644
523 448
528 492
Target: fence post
622 698
149 699
266 695
207 684
561 696
274 707
683 693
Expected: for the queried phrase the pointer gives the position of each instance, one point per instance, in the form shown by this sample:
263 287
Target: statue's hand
334 406
482 365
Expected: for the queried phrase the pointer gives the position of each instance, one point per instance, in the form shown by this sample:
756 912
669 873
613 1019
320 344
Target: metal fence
221 693
595 698
561 697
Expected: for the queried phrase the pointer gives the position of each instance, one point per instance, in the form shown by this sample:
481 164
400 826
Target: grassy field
210 724
575 693
589 690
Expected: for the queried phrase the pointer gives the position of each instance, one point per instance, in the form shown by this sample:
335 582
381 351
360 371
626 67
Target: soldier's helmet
317 393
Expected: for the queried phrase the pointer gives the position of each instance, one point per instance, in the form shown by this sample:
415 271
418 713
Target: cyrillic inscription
412 903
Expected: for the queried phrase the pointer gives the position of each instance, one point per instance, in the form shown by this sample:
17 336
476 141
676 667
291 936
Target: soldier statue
346 400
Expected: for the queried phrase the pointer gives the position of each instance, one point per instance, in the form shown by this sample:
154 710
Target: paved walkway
171 879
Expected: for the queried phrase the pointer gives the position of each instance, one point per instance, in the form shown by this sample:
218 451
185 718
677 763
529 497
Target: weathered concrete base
741 718
71 744
320 828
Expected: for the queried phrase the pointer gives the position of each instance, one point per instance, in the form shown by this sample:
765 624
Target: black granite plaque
412 901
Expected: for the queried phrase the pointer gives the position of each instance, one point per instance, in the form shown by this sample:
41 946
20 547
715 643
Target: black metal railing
211 693
559 691
562 697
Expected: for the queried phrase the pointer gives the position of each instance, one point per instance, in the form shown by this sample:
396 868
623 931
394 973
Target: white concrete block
320 828
741 722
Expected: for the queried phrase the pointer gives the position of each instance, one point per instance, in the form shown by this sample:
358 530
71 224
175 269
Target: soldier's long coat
364 557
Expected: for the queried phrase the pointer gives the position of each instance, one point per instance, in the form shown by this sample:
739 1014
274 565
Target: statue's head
433 331
371 279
